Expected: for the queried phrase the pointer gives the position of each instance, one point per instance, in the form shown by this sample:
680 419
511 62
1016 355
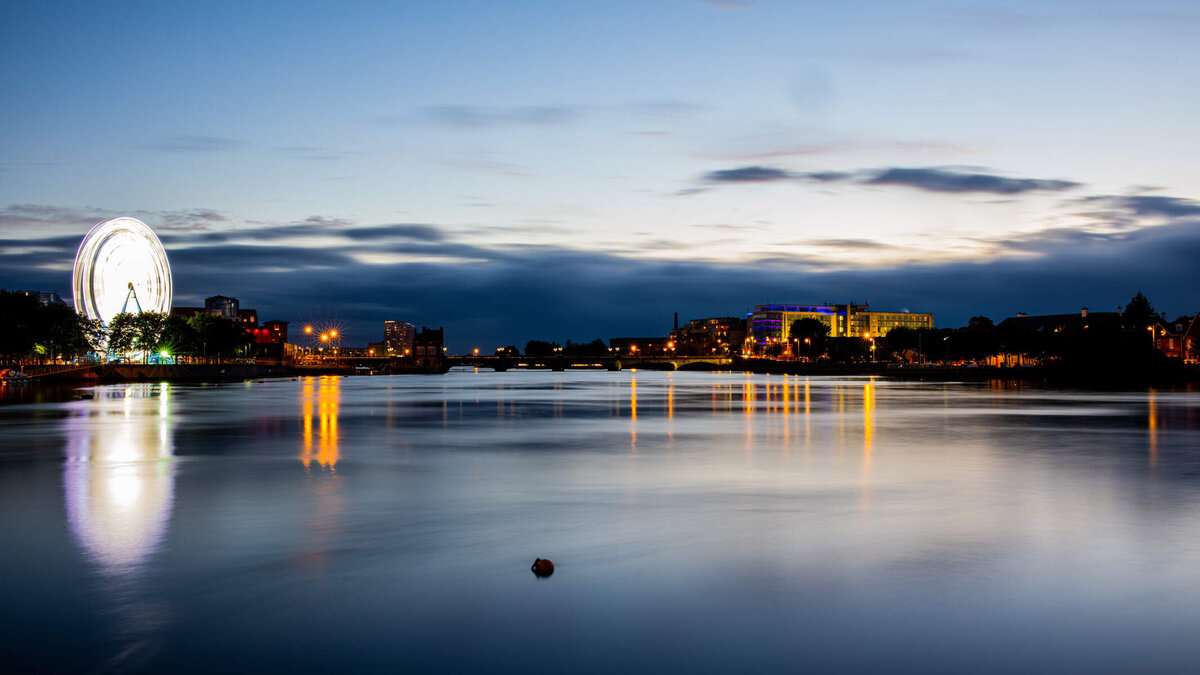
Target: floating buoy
542 567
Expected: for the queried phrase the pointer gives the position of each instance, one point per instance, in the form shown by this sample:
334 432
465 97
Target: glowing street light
308 330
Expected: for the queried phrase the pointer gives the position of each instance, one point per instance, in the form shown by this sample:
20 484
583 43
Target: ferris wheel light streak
117 258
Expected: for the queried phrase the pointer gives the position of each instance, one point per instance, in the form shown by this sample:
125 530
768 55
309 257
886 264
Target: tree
122 333
540 348
178 337
1139 313
217 336
594 348
981 323
150 327
812 335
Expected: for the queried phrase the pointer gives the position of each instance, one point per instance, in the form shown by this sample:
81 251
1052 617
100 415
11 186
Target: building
398 337
1178 339
1059 323
429 347
270 341
224 307
702 337
44 297
772 323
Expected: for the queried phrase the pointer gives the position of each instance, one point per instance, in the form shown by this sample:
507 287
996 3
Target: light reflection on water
699 522
118 484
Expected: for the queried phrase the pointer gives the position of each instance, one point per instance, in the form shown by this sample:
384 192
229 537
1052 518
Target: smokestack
1083 313
676 320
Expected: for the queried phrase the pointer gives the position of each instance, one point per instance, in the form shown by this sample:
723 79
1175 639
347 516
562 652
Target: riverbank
1105 376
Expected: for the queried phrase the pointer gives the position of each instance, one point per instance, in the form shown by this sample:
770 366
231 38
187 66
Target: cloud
194 143
396 231
928 179
475 116
317 154
1155 205
729 4
40 217
939 180
513 294
748 174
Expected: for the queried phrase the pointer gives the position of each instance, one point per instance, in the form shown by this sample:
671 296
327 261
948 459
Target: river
698 522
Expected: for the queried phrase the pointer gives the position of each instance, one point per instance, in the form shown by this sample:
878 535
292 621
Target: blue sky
578 170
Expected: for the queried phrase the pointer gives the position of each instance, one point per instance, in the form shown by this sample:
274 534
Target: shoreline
1054 375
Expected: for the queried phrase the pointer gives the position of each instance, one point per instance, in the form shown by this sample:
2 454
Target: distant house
1179 339
1058 323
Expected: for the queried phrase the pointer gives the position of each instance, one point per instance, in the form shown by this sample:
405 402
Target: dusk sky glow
578 170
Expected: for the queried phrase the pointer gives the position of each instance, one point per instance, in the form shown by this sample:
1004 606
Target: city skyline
537 171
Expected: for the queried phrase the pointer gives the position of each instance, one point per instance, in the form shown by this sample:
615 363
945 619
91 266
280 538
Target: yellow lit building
772 323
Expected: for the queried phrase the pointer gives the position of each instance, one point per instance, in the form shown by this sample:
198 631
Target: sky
560 170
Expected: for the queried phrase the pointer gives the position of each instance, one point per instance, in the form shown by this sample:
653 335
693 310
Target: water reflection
323 393
118 483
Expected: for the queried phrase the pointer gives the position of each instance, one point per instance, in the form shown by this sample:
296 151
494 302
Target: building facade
224 307
772 323
429 347
398 337
703 337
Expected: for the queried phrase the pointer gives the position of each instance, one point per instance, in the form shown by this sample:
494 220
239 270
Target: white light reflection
119 485
118 478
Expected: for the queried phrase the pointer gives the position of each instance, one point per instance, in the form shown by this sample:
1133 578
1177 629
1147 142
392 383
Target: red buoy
542 567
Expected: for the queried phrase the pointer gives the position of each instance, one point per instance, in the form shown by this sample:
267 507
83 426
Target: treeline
37 333
541 348
201 336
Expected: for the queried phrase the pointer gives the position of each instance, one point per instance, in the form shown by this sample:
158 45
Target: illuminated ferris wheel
121 267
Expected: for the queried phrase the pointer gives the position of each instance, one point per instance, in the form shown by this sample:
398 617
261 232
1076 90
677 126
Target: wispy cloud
194 143
749 174
318 154
939 180
927 179
478 116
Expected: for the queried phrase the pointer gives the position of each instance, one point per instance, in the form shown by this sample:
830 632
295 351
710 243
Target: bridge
560 363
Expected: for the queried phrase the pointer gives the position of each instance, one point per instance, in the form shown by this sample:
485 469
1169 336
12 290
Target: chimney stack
1083 313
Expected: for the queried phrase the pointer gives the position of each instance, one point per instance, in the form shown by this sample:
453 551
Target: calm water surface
699 523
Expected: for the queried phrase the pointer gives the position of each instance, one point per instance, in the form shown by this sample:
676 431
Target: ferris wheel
121 261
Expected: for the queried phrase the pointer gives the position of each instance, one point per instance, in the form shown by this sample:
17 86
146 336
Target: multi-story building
398 337
428 347
224 307
718 335
772 323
